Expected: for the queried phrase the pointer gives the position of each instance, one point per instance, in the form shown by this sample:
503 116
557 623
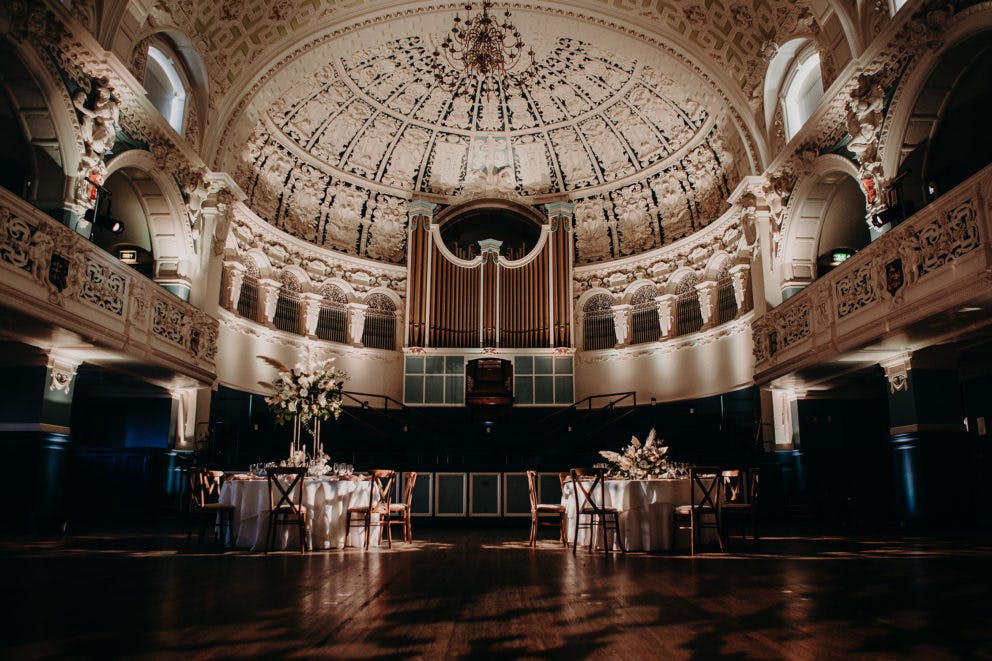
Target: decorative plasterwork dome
342 137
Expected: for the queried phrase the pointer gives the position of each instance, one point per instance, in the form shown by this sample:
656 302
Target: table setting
646 487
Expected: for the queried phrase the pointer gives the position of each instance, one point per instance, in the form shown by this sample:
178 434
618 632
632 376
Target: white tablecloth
646 508
327 502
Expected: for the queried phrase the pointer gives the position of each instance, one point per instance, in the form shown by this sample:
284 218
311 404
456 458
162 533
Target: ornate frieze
73 279
889 272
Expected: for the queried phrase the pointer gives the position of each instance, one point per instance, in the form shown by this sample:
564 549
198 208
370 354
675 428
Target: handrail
386 400
620 396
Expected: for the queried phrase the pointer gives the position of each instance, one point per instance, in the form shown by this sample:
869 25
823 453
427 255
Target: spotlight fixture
482 46
104 221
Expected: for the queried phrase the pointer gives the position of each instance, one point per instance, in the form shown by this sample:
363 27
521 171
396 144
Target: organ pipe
490 300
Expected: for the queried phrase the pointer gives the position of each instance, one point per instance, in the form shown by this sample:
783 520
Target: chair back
409 480
532 490
203 486
734 487
704 482
381 490
286 487
589 489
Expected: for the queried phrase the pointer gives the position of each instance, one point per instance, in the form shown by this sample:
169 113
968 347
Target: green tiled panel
485 493
454 389
523 365
517 495
523 390
542 364
454 365
414 364
544 390
414 390
433 389
435 365
563 365
563 390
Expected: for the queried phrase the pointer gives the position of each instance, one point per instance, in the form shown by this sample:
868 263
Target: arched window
598 331
166 86
645 326
248 300
288 305
332 321
380 322
802 91
688 316
725 299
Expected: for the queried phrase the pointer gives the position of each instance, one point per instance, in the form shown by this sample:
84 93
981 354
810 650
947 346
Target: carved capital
666 313
621 323
268 290
356 322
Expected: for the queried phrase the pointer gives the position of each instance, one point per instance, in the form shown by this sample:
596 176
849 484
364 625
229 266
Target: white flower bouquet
306 392
639 461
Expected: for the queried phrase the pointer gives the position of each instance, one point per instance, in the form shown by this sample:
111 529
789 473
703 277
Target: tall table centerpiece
305 396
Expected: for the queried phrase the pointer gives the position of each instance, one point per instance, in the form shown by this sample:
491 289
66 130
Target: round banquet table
646 508
327 501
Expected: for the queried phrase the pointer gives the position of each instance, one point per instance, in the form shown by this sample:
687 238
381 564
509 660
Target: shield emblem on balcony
894 277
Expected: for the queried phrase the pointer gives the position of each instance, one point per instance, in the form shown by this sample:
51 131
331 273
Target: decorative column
268 297
230 292
311 312
420 213
708 303
356 323
215 218
740 278
621 323
666 314
34 429
749 198
182 432
780 428
927 434
562 262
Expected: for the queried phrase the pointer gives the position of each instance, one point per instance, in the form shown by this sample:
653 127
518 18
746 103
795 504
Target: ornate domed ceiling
342 138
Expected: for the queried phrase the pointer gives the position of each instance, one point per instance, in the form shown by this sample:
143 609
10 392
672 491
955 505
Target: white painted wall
240 343
697 365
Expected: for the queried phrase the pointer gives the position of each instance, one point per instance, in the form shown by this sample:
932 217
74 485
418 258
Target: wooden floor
483 593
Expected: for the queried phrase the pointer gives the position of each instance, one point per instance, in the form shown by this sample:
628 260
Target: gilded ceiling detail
235 35
334 159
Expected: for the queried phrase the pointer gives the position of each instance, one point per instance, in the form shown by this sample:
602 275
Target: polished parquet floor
460 593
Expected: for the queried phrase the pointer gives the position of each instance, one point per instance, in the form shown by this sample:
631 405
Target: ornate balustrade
52 273
933 261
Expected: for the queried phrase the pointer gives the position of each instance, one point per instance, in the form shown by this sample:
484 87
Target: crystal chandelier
483 47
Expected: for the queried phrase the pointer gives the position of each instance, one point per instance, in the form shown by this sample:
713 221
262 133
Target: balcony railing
52 273
928 264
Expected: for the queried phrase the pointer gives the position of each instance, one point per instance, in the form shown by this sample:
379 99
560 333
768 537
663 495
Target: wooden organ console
489 383
489 301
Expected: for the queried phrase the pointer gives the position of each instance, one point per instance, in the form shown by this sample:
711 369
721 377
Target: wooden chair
739 496
286 502
380 498
399 513
204 510
704 486
539 510
589 492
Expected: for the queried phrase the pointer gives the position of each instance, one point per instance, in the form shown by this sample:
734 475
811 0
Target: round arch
53 132
908 120
341 284
828 196
171 238
633 287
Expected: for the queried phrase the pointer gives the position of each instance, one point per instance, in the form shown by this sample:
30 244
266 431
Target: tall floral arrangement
307 392
639 461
